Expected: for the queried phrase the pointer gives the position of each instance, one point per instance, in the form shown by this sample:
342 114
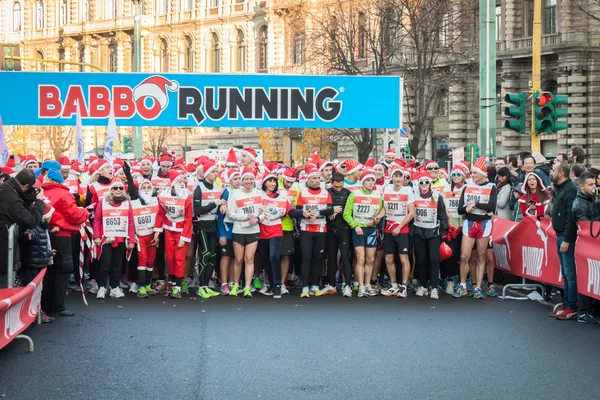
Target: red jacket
163 219
67 215
99 228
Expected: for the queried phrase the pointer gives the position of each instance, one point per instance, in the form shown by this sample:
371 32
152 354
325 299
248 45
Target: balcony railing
520 44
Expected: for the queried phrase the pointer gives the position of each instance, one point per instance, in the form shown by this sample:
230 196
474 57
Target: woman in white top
244 207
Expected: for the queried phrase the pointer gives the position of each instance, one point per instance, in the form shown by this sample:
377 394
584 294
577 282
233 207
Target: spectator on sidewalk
565 192
585 208
577 155
504 187
576 171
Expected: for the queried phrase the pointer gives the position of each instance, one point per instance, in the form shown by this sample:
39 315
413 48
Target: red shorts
477 229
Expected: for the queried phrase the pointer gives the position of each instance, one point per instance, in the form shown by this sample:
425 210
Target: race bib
144 218
426 213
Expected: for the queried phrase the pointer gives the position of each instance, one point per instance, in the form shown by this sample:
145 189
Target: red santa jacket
67 215
99 227
172 218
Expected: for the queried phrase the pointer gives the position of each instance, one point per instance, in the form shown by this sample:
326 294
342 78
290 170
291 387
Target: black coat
35 252
20 208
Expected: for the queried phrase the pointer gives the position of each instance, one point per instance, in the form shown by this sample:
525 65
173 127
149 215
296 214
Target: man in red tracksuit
175 217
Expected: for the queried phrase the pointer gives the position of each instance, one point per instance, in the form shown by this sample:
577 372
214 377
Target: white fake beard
181 191
146 196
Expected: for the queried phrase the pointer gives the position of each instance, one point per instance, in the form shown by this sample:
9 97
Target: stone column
250 47
87 41
271 60
69 46
121 38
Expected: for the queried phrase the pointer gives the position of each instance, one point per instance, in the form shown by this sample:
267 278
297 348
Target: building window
112 57
498 21
85 17
529 18
62 20
444 30
262 49
164 56
163 6
240 52
111 9
187 5
214 56
40 65
362 35
298 48
61 57
17 16
550 17
213 3
39 14
81 58
188 64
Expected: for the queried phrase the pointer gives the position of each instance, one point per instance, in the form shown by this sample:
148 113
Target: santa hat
101 164
7 170
423 176
312 170
270 166
390 152
165 158
75 167
396 169
145 181
93 160
290 174
352 166
155 87
146 160
208 167
118 168
64 162
231 159
191 168
366 174
250 153
233 172
174 176
480 166
370 163
28 160
179 163
444 171
10 163
248 172
459 168
49 210
116 181
431 163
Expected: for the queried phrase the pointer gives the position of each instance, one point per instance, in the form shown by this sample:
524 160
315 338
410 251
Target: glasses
118 188
406 177
432 168
455 175
423 183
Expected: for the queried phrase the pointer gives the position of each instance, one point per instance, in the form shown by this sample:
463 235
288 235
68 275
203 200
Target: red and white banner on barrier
528 249
19 308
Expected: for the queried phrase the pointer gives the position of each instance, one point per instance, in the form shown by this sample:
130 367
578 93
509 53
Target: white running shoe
212 284
284 289
392 291
450 288
328 289
266 291
402 292
117 293
421 291
362 292
93 287
124 285
371 292
133 288
347 291
434 294
101 293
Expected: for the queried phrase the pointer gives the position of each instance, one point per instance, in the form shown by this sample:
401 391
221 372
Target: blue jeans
567 269
270 257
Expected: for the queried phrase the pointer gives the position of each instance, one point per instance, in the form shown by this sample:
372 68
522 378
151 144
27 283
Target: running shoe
284 289
315 291
434 294
566 314
470 288
45 318
376 287
266 290
93 286
477 293
553 313
185 288
460 291
212 284
355 286
362 292
101 294
450 288
235 289
371 292
403 292
212 293
443 284
256 283
277 292
142 292
133 288
124 285
491 291
247 292
74 287
203 293
117 293
421 291
160 286
225 290
392 291
587 318
347 291
149 290
328 289
176 292
305 293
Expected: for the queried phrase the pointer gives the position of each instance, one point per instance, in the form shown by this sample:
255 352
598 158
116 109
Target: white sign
219 155
458 155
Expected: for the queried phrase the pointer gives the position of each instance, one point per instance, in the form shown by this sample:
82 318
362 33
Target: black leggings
312 245
207 247
111 260
270 258
339 240
427 252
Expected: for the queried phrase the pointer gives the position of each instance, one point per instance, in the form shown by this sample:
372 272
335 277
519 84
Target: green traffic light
518 111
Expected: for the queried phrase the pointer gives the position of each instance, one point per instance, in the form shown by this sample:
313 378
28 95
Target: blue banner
211 100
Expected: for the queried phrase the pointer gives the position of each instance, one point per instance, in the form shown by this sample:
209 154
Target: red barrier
19 308
587 258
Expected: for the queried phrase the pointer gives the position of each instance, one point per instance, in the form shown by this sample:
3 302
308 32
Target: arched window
81 57
63 13
215 54
40 66
298 48
188 62
262 49
39 14
240 56
85 17
112 57
164 56
17 16
61 57
362 35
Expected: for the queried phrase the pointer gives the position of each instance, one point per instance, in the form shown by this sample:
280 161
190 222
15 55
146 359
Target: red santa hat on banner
233 172
248 172
157 88
480 166
290 174
390 152
250 153
64 162
28 160
174 176
232 160
366 174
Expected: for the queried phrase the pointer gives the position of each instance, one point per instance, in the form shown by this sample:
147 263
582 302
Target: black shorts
227 250
396 244
287 244
245 238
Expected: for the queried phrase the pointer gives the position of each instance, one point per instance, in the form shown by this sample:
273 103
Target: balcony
523 45
97 26
287 69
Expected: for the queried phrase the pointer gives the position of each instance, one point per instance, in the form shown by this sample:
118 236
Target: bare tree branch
156 140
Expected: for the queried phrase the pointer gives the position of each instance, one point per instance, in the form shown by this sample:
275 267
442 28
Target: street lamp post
137 67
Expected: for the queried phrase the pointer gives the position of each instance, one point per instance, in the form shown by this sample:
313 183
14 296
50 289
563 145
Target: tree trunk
365 148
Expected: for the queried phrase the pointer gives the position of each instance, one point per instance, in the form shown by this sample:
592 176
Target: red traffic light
544 99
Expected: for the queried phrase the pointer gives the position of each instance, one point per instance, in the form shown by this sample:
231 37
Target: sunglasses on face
342 167
432 168
423 183
118 188
455 175
406 177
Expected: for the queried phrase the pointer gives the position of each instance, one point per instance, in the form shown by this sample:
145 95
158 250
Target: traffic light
518 100
472 152
127 145
546 112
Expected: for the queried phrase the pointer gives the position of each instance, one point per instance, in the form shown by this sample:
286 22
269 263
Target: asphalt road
320 348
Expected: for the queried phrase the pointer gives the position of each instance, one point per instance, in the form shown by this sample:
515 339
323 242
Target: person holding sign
174 216
362 213
399 210
429 228
244 207
477 203
113 232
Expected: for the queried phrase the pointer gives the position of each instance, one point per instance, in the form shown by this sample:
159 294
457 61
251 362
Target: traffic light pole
536 144
137 67
487 77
